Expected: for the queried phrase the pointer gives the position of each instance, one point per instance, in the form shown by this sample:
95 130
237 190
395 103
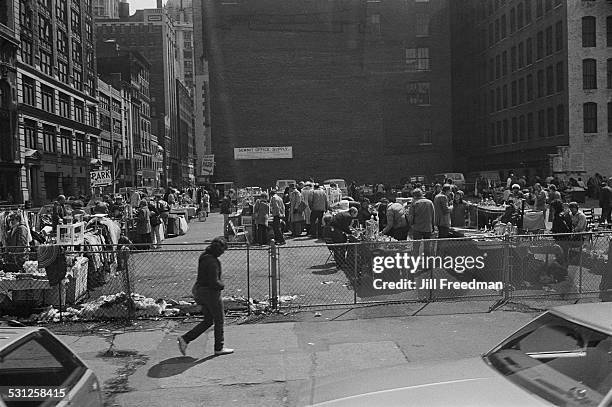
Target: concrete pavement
141 366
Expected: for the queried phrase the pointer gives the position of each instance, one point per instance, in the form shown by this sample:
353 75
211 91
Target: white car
37 369
562 358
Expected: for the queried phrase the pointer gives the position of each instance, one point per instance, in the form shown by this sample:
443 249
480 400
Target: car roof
10 335
596 315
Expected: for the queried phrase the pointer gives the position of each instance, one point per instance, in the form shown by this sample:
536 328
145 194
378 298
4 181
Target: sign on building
263 153
208 164
100 178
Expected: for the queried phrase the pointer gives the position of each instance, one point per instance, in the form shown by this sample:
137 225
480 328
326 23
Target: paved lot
275 362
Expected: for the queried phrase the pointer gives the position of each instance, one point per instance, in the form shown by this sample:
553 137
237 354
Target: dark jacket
605 197
143 221
209 272
562 223
17 244
342 221
421 215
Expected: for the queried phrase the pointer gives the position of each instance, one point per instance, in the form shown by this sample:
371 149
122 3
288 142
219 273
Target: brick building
531 79
358 89
151 32
57 95
11 169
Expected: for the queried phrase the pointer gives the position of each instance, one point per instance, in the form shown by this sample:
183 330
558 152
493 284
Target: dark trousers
262 234
399 233
212 308
278 233
316 223
606 214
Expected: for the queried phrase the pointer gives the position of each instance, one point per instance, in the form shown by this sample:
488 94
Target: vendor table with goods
482 215
188 212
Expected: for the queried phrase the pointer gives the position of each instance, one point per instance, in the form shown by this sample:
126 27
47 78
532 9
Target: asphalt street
275 362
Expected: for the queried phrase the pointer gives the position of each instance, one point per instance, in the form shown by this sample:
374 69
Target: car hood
468 382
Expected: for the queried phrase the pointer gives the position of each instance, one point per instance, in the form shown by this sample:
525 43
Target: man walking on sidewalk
207 293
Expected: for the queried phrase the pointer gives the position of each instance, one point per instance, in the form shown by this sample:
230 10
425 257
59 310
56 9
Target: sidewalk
273 361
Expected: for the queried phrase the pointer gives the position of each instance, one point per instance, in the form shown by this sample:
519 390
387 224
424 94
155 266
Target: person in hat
207 293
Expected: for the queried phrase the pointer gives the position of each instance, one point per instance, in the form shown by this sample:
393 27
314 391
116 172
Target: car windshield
560 361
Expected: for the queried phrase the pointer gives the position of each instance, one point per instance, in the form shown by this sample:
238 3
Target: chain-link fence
108 282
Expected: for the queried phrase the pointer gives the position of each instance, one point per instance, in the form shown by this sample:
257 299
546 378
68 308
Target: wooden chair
237 232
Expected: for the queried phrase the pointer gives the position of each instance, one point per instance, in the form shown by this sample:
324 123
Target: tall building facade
151 32
186 136
105 8
533 79
134 143
57 95
12 171
181 11
357 89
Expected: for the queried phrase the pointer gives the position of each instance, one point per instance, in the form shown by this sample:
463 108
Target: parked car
562 358
34 362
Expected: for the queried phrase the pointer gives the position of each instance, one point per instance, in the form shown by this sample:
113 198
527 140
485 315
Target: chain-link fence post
356 276
248 287
273 275
506 269
124 255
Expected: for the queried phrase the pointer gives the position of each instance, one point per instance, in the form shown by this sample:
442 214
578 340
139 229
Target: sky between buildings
141 4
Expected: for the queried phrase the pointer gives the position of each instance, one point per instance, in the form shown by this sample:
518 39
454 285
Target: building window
539 45
500 139
530 126
503 26
560 120
589 113
497 66
49 139
493 138
512 20
609 31
91 116
46 62
589 74
417 59
588 32
519 16
505 96
77 52
550 80
61 11
78 111
62 71
504 63
549 40
539 8
498 104
418 93
521 91
541 124
497 31
65 142
609 73
79 145
513 93
75 22
27 88
30 134
375 24
560 77
529 51
26 52
550 118
422 24
548 5
77 79
521 55
46 96
540 80
514 130
505 131
559 36
522 134
513 59
529 86
64 105
491 35
44 31
491 101
527 11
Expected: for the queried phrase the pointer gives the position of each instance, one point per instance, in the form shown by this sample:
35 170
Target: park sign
100 178
262 153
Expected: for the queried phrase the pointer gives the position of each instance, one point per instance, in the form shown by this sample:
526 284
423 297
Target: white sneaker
224 351
182 345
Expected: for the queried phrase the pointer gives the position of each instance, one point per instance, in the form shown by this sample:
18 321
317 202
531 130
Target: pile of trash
121 306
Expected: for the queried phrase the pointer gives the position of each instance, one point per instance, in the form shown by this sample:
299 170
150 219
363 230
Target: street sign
208 164
100 178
